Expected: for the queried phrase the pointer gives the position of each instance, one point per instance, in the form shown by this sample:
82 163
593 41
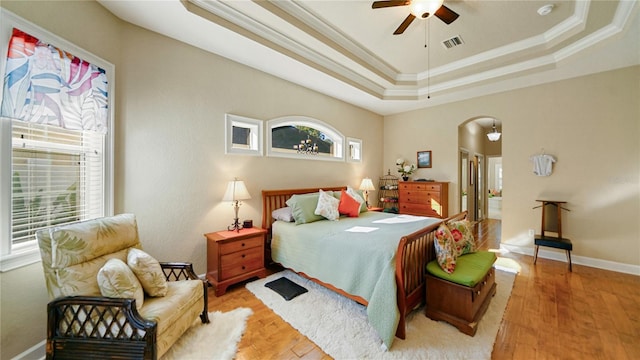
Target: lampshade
366 184
494 135
236 190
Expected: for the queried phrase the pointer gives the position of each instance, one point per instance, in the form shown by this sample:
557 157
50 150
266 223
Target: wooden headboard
276 199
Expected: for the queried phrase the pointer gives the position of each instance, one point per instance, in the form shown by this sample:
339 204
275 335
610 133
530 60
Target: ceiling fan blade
445 14
390 3
405 24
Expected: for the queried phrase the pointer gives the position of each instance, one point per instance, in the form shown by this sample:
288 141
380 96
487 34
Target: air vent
453 42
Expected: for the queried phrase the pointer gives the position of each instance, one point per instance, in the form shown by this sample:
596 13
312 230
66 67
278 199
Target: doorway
494 185
477 191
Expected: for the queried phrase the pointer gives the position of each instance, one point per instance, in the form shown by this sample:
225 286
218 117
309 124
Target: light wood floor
552 314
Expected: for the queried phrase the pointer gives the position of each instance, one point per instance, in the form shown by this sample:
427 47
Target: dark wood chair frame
556 242
73 323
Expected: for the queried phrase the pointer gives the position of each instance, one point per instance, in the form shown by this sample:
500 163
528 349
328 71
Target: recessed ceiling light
545 10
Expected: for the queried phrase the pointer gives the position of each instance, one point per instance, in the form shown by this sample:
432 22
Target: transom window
304 137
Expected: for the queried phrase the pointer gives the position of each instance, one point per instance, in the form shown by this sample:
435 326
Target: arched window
304 137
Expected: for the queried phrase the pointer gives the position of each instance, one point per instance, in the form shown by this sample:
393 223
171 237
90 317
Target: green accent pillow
303 208
116 280
470 268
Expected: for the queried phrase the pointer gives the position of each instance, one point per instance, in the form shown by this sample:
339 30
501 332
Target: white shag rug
217 340
340 328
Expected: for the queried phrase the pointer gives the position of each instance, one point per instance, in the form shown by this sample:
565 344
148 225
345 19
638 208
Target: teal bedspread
360 263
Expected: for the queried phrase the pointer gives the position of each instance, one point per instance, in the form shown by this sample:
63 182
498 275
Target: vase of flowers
405 169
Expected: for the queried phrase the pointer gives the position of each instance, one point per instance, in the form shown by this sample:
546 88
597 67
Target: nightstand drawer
241 262
243 244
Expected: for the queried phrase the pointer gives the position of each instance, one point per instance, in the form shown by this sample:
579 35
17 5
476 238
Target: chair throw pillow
463 240
348 205
327 206
148 271
445 252
116 280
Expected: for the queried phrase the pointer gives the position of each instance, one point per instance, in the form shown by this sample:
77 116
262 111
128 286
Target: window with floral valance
56 136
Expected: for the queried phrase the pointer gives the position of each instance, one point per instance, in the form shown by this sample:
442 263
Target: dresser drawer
414 197
418 209
238 245
241 262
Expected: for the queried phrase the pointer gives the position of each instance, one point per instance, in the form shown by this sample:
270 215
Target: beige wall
170 169
591 124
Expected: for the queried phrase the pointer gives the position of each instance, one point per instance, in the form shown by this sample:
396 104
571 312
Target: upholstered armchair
85 260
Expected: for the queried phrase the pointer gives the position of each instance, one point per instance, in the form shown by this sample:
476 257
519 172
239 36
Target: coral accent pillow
359 198
463 240
116 280
148 271
327 206
348 205
445 252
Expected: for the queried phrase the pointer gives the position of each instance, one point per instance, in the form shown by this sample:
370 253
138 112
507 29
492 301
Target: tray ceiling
347 50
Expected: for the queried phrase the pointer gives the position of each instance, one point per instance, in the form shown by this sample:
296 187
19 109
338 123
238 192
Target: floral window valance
49 86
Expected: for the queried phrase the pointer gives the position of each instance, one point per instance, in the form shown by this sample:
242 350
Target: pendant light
494 135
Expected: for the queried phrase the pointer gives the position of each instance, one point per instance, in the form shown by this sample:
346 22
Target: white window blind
57 177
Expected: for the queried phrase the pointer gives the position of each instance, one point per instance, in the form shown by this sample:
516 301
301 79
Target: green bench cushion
470 268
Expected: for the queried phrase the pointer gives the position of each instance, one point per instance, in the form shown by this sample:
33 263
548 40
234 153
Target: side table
234 256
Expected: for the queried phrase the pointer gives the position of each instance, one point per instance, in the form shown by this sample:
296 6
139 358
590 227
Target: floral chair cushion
148 271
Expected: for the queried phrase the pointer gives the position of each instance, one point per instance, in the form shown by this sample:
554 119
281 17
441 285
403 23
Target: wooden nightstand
234 256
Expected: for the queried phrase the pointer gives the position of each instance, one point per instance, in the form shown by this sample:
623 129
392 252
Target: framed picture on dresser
424 159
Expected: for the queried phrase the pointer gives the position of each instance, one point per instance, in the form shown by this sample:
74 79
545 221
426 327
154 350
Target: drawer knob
242 244
478 292
244 255
243 267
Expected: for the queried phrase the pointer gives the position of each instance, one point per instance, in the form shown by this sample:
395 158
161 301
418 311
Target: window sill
17 260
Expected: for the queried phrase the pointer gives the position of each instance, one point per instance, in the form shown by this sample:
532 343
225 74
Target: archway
475 149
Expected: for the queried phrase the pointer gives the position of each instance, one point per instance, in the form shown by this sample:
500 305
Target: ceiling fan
419 8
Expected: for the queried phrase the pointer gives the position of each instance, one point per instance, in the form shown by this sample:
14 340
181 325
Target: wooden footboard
414 252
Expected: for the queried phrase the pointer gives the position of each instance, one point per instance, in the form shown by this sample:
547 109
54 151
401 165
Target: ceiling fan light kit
419 8
425 8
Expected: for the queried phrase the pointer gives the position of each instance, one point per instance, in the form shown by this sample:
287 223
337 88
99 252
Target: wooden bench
463 297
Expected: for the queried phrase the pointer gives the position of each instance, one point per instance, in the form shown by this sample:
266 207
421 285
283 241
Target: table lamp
366 185
236 191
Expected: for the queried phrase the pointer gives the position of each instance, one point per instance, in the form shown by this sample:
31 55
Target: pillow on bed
445 251
283 214
348 205
463 240
327 206
357 194
303 208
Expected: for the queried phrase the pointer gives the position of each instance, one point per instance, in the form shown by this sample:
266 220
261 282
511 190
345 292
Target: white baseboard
580 260
36 352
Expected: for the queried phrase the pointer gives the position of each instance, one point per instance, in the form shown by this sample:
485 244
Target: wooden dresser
234 256
424 198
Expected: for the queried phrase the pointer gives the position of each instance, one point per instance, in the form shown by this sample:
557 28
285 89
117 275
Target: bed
364 266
